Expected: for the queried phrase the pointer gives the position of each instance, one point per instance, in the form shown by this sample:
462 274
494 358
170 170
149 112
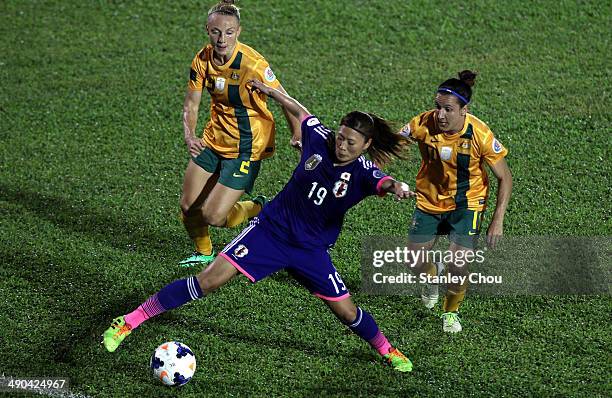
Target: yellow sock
241 212
198 232
454 297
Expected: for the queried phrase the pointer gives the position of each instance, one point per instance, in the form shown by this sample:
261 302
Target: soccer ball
173 363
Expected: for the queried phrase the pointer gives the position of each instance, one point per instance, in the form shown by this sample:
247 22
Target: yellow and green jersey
240 123
452 174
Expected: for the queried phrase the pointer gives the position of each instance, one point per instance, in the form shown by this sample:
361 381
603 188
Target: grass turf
92 150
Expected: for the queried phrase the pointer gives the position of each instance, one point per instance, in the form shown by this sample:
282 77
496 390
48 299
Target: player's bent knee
187 206
215 219
345 310
208 283
349 315
216 275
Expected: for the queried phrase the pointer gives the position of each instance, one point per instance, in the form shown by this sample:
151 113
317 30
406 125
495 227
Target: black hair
386 143
461 86
225 7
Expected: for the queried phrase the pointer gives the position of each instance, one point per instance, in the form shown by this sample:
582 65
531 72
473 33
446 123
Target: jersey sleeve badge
497 146
269 75
313 121
313 162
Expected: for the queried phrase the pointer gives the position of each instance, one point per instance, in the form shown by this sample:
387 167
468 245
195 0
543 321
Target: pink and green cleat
116 333
398 360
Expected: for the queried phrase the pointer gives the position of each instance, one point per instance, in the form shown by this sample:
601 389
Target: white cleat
429 294
450 322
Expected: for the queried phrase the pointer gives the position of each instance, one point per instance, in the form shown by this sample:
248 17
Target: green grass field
92 164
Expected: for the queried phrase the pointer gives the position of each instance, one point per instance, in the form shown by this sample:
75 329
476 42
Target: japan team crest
341 186
241 251
313 162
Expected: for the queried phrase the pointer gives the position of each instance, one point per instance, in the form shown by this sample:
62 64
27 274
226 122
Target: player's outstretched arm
296 109
295 124
401 190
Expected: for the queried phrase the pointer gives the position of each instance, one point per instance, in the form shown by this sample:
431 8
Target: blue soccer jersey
310 209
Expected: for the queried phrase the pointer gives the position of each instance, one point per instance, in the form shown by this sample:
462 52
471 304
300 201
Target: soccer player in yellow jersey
239 134
452 187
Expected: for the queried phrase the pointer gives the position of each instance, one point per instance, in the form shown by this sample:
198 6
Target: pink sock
146 310
136 317
380 343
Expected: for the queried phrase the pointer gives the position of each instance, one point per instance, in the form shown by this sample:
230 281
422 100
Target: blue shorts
257 253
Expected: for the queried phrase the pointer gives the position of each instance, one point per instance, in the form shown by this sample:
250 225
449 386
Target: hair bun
225 7
468 77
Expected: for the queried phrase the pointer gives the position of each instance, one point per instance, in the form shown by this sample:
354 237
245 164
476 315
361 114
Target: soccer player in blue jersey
296 229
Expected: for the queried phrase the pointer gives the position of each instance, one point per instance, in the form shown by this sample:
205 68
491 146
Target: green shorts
237 173
462 226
